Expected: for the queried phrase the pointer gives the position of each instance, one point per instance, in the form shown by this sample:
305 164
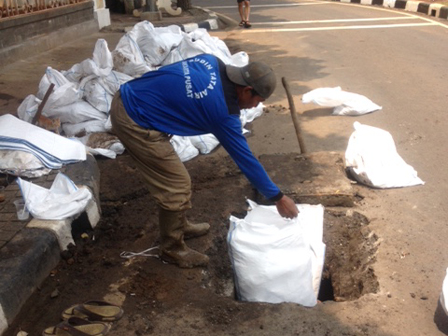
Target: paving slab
314 178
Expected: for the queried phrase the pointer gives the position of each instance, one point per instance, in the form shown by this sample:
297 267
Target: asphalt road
398 60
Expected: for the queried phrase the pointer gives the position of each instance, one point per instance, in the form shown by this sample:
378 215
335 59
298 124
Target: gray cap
256 74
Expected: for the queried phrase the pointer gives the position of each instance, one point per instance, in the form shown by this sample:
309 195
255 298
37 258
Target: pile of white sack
82 95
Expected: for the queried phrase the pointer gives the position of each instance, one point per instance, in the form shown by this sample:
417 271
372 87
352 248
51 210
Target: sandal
76 326
247 24
94 311
242 23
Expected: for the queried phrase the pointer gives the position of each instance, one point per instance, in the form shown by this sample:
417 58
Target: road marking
283 30
383 9
278 5
335 20
386 9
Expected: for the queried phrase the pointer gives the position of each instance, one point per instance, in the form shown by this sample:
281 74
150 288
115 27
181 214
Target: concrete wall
23 35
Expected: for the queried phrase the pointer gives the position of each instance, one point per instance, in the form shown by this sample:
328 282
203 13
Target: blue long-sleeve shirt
194 97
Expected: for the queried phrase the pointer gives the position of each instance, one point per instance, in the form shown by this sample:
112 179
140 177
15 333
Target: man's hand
286 207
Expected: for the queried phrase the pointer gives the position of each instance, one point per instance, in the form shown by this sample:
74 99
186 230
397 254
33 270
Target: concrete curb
432 9
209 24
229 22
34 250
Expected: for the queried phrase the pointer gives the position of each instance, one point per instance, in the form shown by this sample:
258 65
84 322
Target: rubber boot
173 248
193 230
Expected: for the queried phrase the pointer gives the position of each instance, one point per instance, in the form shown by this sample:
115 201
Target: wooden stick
42 104
295 118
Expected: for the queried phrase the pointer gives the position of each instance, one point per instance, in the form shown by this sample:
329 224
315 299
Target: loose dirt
163 299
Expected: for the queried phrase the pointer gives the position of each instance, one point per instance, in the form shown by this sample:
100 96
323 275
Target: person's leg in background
244 10
241 11
247 13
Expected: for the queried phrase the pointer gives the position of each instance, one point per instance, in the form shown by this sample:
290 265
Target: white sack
127 56
205 143
28 108
20 163
97 95
114 80
51 76
157 43
344 103
100 65
277 260
248 115
76 112
444 295
372 158
64 93
63 200
19 160
216 46
102 58
186 49
54 150
183 148
239 59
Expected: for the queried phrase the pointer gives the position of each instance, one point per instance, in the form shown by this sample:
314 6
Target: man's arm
230 136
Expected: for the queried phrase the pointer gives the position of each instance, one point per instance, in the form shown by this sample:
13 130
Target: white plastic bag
372 159
277 260
63 200
344 103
